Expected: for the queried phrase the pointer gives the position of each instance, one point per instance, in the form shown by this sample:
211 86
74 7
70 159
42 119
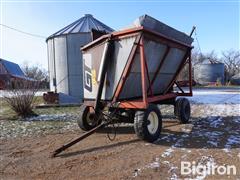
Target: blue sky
217 22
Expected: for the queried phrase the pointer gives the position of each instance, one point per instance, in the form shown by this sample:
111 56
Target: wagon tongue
83 136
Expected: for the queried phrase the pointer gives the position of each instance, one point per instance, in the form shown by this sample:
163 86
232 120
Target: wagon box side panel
155 56
92 61
169 68
122 49
91 64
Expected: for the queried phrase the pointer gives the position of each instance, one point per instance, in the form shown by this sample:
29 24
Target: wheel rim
153 122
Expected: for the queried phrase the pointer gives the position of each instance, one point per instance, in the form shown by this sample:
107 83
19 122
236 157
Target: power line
195 33
20 31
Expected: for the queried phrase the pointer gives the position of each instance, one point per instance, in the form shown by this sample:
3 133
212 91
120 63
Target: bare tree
37 73
20 97
199 58
231 59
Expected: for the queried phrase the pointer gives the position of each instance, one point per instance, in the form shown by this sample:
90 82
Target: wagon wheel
87 119
148 123
182 110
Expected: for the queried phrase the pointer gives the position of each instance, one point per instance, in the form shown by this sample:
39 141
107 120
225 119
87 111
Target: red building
9 73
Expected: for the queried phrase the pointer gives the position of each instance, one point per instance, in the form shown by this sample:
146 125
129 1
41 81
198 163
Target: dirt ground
210 137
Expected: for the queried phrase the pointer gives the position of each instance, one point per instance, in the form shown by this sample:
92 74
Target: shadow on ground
105 147
213 132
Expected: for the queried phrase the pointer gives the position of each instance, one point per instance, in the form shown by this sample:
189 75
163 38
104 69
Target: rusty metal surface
51 97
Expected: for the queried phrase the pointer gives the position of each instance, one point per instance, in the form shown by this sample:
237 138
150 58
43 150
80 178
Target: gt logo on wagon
87 78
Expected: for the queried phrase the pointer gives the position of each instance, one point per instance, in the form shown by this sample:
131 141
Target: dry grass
7 113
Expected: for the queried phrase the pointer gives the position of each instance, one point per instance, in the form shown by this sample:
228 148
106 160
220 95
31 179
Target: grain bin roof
84 24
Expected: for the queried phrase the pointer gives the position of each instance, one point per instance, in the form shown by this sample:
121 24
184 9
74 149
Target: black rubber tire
141 122
182 110
83 121
176 107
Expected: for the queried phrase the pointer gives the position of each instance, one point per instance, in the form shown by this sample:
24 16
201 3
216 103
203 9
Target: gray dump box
168 50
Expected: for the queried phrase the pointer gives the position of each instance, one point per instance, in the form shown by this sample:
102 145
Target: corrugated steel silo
65 57
209 73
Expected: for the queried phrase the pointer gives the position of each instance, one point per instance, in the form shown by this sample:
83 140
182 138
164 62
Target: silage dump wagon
133 70
129 72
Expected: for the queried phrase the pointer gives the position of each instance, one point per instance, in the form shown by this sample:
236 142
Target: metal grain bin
65 59
209 73
235 80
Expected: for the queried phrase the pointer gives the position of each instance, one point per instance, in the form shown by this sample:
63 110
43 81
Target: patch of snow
237 120
179 143
173 171
213 137
222 110
214 92
216 123
167 152
213 134
165 162
187 128
136 172
154 165
220 96
174 177
186 150
214 143
232 141
6 93
207 161
167 138
37 126
49 117
185 135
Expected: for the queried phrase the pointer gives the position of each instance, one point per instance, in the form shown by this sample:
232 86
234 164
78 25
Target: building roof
84 24
12 68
